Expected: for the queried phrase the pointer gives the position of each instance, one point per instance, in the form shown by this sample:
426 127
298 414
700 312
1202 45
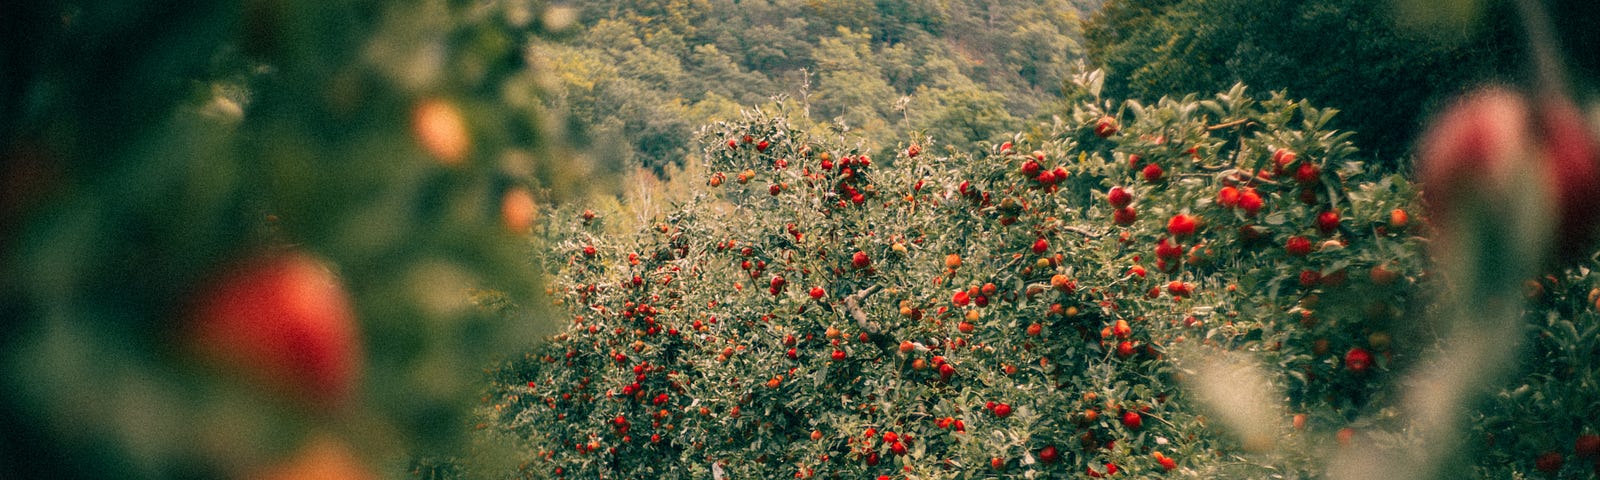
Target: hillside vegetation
638 77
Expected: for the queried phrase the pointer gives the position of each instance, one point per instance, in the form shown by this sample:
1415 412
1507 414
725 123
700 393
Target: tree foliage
1210 287
154 153
1354 55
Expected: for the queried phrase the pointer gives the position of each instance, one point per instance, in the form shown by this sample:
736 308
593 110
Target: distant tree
964 117
1346 54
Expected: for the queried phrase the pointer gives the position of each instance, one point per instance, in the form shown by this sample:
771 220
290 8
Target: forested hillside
638 77
1386 64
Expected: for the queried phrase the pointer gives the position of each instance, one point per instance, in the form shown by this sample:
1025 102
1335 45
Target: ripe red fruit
1111 469
1132 420
1182 225
1048 454
964 327
1166 249
1153 173
817 293
1002 410
1125 349
1041 245
860 260
1308 173
775 189
1034 329
946 371
1137 271
997 463
1474 153
1167 463
1105 127
1573 155
1587 446
1310 278
1358 360
961 299
1030 168
1298 246
913 150
282 320
1250 201
1328 221
1121 329
897 448
762 146
1228 197
1549 462
1119 197
777 282
1046 178
1282 158
1124 216
838 355
589 251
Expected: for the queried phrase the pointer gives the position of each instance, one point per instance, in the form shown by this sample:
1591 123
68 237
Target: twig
1230 124
852 307
1082 231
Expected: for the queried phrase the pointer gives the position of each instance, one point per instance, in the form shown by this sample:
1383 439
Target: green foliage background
640 77
1387 65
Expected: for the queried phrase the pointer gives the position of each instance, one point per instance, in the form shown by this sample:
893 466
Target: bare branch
1230 124
1081 231
852 307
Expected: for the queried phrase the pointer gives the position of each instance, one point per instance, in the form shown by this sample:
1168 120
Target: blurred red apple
283 321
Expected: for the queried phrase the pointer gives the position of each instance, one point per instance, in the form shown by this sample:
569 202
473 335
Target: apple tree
1052 307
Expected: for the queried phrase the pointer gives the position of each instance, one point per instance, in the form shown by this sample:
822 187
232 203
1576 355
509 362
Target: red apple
1124 216
1250 201
1153 173
860 260
1182 225
1298 246
1119 197
1132 420
1358 360
1228 197
1105 127
282 320
1048 454
1328 221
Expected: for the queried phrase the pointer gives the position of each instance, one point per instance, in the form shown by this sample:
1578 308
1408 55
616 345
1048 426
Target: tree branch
852 307
1081 231
1230 124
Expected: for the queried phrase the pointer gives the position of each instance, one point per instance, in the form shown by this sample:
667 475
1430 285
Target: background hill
640 76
